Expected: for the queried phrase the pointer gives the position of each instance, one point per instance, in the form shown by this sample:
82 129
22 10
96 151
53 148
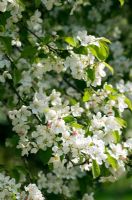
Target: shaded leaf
81 50
91 74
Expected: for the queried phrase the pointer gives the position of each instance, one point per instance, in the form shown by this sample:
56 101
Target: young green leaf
121 121
69 119
70 41
112 161
105 40
116 136
100 52
109 67
122 2
76 125
129 103
95 169
86 96
109 88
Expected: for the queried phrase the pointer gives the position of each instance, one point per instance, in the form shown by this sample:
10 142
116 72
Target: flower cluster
9 189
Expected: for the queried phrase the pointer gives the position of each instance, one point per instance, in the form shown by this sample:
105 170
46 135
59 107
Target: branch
18 95
71 85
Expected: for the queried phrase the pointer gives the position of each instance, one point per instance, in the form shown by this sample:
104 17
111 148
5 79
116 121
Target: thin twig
71 85
18 95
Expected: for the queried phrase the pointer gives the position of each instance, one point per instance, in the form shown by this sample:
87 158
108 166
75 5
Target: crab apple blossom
65 85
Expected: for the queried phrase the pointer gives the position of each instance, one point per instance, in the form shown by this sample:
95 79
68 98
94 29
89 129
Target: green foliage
70 41
91 73
122 2
6 41
109 67
129 103
112 161
44 156
116 136
101 52
29 52
81 50
76 125
69 119
95 169
121 121
87 95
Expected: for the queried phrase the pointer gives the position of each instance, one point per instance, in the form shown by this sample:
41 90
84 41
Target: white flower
108 179
4 62
16 43
40 103
111 124
58 126
88 197
55 98
86 39
8 187
3 6
49 3
99 73
121 104
121 86
128 143
118 152
34 192
76 110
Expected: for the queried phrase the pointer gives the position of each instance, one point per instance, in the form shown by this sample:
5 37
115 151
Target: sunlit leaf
95 169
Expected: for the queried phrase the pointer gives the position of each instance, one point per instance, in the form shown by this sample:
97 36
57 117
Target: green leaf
112 161
76 125
37 3
101 52
44 156
2 28
70 41
104 50
121 121
116 136
29 51
72 101
105 40
14 197
69 119
91 74
46 39
81 50
95 169
129 103
87 95
122 2
16 76
7 43
109 88
109 67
